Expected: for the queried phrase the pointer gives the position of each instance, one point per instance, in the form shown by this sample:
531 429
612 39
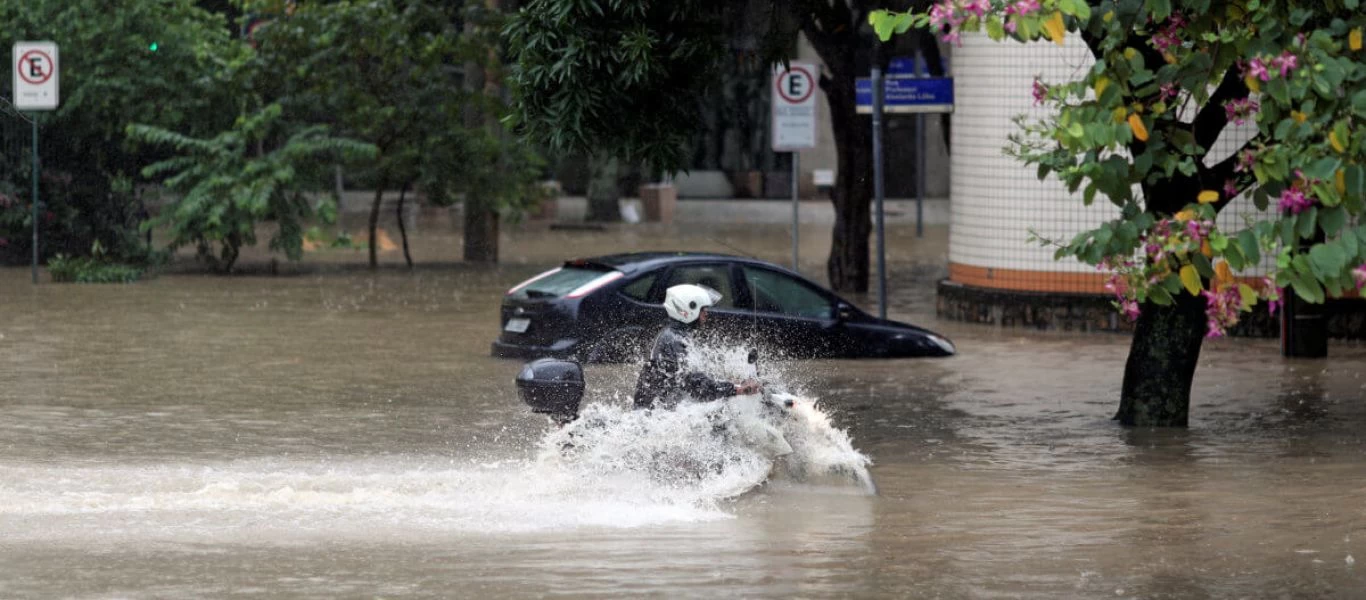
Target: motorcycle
785 433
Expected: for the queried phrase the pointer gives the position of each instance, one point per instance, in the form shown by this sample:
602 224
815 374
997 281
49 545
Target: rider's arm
706 389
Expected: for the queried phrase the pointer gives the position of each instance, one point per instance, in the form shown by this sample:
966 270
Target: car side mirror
844 312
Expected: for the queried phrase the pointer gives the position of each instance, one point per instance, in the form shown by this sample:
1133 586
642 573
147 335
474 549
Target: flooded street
330 432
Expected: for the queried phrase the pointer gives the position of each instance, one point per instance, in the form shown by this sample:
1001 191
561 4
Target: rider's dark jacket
663 382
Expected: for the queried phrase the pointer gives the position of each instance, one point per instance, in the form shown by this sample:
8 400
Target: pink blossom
1360 274
1257 68
1130 309
1272 295
1221 310
1230 188
1294 201
1168 36
1169 90
1245 161
1286 62
1240 110
942 14
1040 92
977 7
952 37
1023 8
1011 25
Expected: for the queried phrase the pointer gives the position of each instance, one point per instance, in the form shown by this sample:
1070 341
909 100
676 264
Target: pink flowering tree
1138 129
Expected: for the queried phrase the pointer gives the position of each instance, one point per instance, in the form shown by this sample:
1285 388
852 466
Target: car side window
640 288
716 277
775 292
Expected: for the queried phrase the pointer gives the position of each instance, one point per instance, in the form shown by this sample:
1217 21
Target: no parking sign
35 75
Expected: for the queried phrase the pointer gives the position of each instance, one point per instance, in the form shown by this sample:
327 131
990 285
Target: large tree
624 76
418 79
1139 128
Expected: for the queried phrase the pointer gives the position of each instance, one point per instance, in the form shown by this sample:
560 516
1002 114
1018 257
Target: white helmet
685 302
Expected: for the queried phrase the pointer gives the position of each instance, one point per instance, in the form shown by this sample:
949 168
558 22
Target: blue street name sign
907 95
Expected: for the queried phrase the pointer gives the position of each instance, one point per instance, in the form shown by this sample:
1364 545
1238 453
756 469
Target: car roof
637 261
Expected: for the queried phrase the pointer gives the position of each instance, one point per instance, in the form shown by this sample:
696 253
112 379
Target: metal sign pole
796 221
920 171
877 194
35 198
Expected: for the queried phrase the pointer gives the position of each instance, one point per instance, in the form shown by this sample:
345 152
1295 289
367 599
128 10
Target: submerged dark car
608 309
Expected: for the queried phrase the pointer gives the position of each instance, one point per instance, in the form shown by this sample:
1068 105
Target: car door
726 321
795 319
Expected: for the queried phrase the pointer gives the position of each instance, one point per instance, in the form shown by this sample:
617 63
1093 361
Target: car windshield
556 283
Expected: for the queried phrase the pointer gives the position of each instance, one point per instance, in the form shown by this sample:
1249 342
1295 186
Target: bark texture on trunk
1161 365
852 195
481 234
604 194
374 222
402 228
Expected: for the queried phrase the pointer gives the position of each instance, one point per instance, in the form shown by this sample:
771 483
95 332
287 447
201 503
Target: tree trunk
853 191
374 222
604 194
1161 365
481 233
402 228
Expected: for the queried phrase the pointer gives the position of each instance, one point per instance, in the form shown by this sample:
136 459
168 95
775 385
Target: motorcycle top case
551 386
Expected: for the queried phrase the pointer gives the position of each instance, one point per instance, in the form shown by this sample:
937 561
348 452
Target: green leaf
1160 295
1190 279
1248 295
1332 219
1260 199
1234 256
995 30
1172 283
1359 103
1323 168
1350 244
1307 288
1327 260
1248 242
1307 220
1288 232
1160 9
1202 265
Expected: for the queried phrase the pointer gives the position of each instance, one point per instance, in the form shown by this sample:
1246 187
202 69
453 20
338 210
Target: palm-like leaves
226 187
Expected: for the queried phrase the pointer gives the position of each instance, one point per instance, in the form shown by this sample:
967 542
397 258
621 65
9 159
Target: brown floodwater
330 432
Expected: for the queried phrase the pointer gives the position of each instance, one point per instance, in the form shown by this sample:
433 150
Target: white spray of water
613 468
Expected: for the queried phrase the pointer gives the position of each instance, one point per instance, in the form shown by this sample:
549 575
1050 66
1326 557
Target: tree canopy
1139 128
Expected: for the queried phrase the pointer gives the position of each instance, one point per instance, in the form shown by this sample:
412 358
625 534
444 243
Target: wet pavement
331 432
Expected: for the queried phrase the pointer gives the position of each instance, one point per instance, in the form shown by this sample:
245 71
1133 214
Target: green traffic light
153 47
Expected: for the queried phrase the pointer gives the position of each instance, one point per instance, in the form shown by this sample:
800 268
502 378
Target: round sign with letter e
794 107
35 75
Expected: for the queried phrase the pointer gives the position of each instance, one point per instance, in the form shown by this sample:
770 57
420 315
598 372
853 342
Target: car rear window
556 283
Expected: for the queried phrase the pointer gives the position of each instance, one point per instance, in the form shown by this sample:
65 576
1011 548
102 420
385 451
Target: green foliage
96 268
226 186
109 79
620 77
401 75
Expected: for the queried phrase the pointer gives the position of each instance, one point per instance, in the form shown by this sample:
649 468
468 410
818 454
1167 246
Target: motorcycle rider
664 381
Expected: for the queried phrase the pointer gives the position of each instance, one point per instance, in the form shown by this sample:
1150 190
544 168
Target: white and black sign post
35 89
794 126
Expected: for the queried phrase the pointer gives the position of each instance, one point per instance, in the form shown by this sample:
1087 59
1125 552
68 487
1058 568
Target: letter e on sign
794 107
35 70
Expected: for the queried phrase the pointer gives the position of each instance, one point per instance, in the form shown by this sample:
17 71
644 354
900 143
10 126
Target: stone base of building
1092 312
